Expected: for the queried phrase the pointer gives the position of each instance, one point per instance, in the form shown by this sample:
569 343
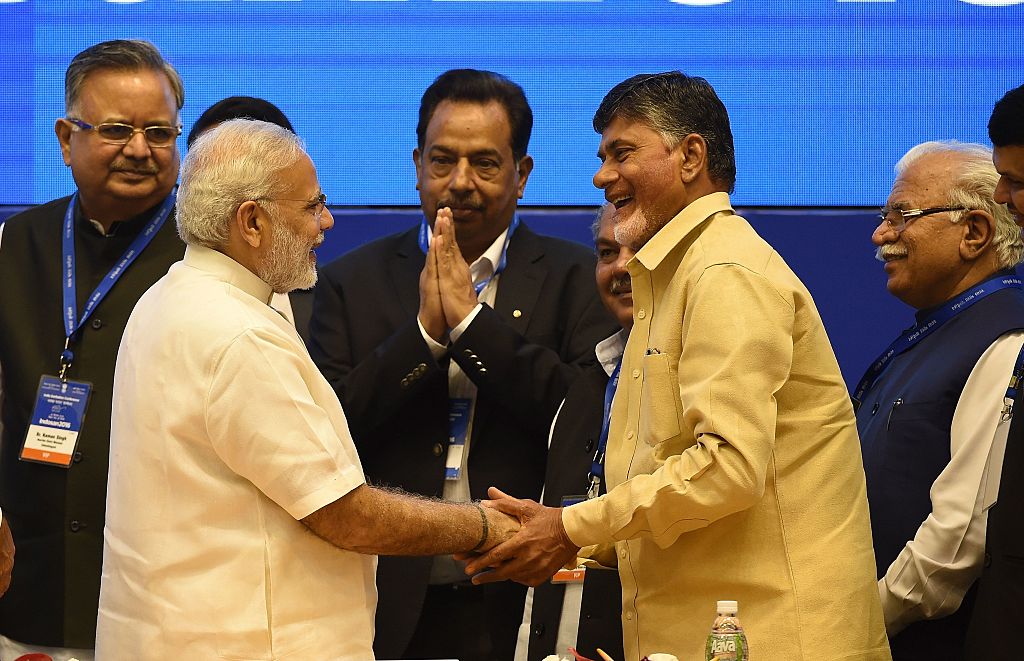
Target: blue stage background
829 249
824 94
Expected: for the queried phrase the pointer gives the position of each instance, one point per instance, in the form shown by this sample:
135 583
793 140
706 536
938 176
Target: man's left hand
458 297
538 550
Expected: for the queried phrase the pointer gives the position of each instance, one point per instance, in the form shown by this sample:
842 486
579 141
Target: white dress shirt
446 569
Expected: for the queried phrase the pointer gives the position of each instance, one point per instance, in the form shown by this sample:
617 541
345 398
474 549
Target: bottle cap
728 607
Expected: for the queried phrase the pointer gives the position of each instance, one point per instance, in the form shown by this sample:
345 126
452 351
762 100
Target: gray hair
118 55
595 227
974 188
239 160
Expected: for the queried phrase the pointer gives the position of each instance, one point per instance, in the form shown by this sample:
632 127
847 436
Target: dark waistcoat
904 423
573 442
56 514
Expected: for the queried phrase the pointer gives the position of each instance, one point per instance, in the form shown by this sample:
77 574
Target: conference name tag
56 421
458 429
569 575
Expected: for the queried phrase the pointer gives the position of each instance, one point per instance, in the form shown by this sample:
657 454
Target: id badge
458 428
564 576
56 421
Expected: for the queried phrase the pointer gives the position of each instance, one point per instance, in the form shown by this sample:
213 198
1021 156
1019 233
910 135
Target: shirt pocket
661 410
917 448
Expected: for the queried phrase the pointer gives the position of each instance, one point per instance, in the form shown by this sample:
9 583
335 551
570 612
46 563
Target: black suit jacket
521 355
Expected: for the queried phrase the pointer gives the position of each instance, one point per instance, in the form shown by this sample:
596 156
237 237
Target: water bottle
726 641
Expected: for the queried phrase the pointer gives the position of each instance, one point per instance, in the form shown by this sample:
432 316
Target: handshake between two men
533 554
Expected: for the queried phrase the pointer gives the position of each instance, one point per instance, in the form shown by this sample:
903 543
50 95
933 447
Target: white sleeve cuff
457 332
436 350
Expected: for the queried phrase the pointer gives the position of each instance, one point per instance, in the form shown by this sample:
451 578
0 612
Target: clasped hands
530 556
447 295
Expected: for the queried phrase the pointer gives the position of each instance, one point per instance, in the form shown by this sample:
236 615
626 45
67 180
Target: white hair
974 188
239 160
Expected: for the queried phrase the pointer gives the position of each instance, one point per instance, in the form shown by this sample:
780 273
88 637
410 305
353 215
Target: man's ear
62 128
252 224
693 156
525 168
979 229
416 162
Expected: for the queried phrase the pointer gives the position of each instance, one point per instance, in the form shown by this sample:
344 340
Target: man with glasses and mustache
931 408
72 270
451 358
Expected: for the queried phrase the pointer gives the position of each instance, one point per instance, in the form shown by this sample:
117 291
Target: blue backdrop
830 250
824 94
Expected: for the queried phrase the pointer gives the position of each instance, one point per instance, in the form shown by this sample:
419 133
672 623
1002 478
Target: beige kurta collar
687 220
227 269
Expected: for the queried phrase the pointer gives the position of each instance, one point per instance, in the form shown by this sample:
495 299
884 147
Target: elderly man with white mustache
930 408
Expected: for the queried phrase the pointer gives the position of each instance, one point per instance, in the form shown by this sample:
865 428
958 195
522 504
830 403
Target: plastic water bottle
726 641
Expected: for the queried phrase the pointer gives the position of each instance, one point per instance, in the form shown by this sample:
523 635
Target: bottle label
726 647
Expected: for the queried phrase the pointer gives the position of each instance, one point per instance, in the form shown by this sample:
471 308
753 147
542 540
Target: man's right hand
431 314
6 557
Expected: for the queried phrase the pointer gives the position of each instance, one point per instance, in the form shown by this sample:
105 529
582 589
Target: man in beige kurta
733 464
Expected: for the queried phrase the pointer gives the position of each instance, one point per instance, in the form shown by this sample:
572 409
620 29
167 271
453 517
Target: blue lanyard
71 320
1011 390
479 286
597 464
913 336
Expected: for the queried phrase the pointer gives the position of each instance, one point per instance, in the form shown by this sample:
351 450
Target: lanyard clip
594 488
1007 411
66 357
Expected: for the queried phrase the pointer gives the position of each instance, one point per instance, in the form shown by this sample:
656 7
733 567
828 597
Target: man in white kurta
237 506
224 435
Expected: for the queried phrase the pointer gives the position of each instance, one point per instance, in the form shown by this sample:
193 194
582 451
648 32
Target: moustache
122 166
468 204
890 250
621 284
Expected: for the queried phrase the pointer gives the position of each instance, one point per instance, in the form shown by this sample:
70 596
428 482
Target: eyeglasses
898 219
316 205
115 133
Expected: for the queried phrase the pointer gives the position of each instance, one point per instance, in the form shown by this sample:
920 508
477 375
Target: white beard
287 266
636 230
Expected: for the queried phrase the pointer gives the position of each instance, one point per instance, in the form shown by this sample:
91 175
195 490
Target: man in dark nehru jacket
930 410
451 364
999 609
72 271
581 608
